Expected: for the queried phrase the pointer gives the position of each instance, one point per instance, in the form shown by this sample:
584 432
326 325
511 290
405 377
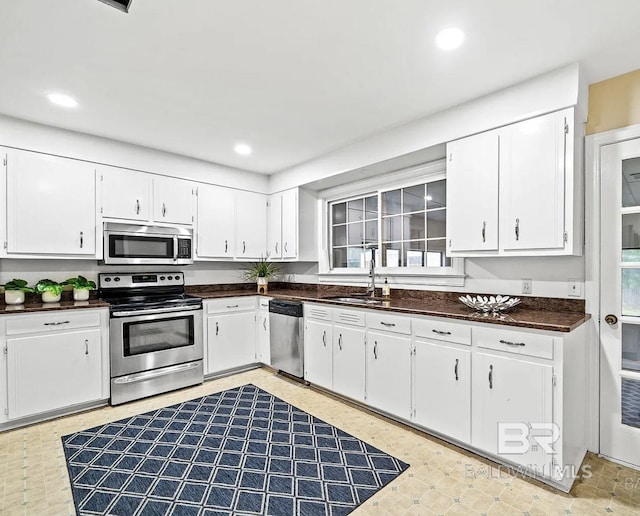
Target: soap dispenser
386 289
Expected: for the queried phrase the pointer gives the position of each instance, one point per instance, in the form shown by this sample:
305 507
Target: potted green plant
14 291
260 272
50 290
81 287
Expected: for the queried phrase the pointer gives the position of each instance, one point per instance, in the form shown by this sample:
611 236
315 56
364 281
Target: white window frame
404 277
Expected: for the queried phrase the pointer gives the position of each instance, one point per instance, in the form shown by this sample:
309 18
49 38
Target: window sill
402 279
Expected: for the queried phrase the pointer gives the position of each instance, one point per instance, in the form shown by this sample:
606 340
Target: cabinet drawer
317 312
58 321
353 317
385 322
518 342
231 304
442 330
263 303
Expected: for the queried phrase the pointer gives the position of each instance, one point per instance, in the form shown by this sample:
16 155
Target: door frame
593 153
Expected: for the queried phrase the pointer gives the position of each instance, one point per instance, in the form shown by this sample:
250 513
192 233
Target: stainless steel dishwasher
286 333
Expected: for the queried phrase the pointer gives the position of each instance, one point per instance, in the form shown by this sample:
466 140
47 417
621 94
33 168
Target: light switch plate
526 285
575 289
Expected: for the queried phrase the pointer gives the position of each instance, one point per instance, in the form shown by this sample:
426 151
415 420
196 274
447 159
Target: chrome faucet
371 289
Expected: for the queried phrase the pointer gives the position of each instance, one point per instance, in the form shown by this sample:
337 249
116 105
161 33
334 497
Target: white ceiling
295 79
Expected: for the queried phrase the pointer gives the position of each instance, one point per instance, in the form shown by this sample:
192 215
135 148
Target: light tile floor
442 479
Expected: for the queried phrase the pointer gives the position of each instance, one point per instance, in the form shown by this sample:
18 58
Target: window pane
414 254
631 347
631 292
392 228
340 257
437 224
355 257
391 255
631 237
414 226
356 210
355 233
371 232
391 202
436 194
629 402
371 207
339 213
340 235
413 199
631 182
436 256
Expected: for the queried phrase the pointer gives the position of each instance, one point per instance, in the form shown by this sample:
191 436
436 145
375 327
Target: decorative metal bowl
490 304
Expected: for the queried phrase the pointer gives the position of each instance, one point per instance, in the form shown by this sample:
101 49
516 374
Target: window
354 231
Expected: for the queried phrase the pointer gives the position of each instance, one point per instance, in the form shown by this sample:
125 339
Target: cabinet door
442 389
532 172
512 401
290 223
389 373
251 225
49 372
50 205
318 353
349 358
172 200
216 212
125 194
262 331
274 229
231 341
472 193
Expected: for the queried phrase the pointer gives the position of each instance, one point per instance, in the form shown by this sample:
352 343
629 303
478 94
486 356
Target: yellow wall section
614 103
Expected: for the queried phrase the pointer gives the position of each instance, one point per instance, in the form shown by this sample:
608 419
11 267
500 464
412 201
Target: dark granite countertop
552 314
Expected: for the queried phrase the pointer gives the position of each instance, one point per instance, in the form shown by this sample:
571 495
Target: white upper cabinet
472 193
290 223
216 230
292 226
172 200
523 179
126 194
251 225
274 227
51 208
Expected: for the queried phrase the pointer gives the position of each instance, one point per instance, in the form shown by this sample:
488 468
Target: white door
274 229
172 200
231 341
620 302
349 359
216 222
125 193
251 225
263 349
317 353
290 223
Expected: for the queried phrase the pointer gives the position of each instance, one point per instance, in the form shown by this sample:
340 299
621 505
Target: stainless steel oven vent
121 5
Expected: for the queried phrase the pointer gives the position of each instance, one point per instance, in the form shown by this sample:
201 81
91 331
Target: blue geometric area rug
241 451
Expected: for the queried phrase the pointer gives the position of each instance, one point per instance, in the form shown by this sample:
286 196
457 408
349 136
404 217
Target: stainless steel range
155 334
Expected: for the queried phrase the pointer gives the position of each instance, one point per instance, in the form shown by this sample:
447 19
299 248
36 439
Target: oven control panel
128 280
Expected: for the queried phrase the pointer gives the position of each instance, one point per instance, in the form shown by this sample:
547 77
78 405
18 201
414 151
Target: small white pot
13 297
80 294
50 297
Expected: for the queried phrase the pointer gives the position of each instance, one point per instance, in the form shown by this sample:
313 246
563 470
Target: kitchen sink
355 300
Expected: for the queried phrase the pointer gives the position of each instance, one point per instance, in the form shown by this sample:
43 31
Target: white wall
30 136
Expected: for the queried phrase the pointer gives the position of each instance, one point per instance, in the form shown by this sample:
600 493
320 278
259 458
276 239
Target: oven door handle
147 375
153 311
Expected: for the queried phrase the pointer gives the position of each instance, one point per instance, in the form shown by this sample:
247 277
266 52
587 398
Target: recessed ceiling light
59 99
243 149
450 38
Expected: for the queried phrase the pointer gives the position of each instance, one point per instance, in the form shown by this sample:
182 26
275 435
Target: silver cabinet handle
244 246
389 324
226 245
86 346
375 349
264 324
81 239
276 247
490 377
285 248
484 231
440 332
517 229
340 341
455 370
217 328
56 323
137 206
232 306
164 209
509 343
324 338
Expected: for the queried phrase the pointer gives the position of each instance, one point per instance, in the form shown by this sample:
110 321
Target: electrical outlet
526 285
574 288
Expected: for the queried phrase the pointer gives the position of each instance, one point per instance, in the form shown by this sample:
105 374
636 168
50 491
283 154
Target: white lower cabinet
442 389
318 353
349 355
53 362
389 373
263 341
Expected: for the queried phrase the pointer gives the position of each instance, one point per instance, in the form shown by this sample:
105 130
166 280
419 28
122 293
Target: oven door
145 340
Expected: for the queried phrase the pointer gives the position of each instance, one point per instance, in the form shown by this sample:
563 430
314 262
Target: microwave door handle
175 248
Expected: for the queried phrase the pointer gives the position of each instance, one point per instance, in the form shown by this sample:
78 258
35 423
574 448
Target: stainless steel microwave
130 244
